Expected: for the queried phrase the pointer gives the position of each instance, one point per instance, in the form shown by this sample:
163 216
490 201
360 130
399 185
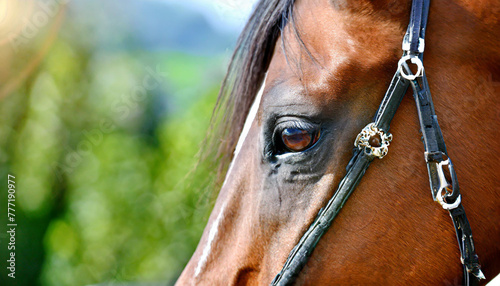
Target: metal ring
448 206
415 60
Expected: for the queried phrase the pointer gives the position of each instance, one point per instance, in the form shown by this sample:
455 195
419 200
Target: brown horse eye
298 139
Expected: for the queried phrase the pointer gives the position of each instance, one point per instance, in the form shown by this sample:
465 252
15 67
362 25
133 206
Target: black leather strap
416 24
302 251
437 157
390 102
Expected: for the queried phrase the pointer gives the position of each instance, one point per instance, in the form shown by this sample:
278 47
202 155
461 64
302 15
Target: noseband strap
445 192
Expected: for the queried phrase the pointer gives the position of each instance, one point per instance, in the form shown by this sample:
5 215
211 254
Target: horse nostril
375 140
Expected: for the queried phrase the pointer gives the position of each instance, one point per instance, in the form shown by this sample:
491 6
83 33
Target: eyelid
295 123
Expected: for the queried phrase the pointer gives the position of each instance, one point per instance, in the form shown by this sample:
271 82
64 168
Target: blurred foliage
103 145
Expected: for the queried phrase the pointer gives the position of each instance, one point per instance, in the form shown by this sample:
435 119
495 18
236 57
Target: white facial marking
214 229
248 122
211 236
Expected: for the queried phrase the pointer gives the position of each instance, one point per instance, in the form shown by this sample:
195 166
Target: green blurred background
103 107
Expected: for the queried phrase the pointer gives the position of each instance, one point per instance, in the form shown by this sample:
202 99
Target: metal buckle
443 184
370 135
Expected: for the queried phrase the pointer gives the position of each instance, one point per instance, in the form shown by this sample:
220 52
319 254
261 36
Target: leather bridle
373 142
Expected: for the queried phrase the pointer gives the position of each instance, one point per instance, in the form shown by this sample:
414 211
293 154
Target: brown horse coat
332 69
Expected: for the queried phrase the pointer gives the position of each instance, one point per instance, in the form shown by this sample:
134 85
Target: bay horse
306 77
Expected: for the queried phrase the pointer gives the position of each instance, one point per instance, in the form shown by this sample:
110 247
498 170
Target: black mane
244 77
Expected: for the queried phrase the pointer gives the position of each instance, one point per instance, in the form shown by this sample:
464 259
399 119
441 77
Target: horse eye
297 140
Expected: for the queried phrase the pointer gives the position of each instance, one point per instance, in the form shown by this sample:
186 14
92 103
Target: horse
305 78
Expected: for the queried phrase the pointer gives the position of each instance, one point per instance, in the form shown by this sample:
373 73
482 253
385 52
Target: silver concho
371 133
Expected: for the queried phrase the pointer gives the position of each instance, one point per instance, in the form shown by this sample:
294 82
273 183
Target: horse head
306 77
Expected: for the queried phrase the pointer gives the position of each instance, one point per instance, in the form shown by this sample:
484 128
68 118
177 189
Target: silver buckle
443 185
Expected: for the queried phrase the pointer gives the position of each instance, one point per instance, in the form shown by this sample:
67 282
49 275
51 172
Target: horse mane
245 74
